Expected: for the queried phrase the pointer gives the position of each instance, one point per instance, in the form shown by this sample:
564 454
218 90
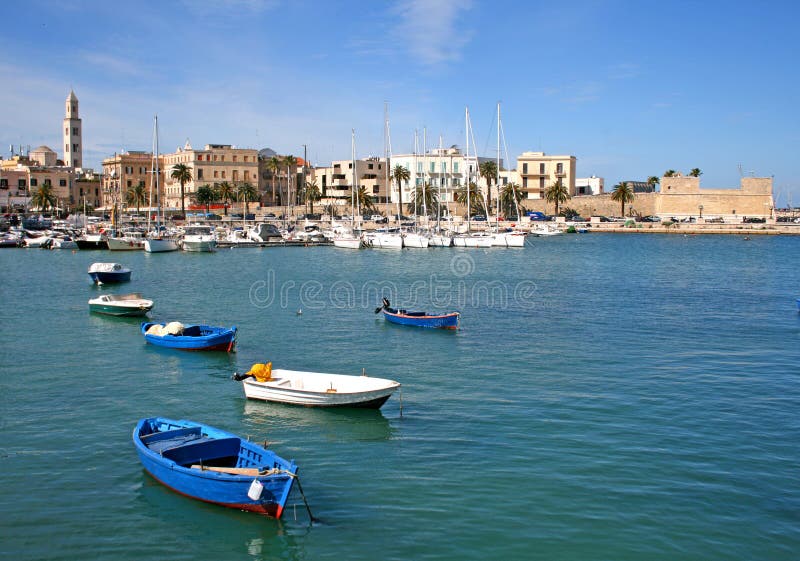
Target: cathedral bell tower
73 145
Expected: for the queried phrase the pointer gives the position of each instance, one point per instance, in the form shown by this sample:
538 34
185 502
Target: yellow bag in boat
262 372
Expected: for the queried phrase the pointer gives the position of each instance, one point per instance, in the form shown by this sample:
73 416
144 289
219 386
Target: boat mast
425 164
497 170
353 194
467 166
416 179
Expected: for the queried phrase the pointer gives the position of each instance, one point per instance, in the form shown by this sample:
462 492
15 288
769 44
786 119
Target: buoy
299 312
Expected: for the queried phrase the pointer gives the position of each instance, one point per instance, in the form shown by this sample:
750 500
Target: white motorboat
160 245
128 305
441 240
127 241
546 231
38 241
315 389
508 239
199 239
63 242
347 242
384 240
473 240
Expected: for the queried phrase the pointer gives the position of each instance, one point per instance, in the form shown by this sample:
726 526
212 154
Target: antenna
740 170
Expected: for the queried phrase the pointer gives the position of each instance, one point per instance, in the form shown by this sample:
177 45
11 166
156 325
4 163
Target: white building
589 185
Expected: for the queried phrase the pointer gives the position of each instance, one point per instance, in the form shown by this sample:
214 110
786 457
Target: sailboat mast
353 189
466 165
416 179
425 164
152 178
497 171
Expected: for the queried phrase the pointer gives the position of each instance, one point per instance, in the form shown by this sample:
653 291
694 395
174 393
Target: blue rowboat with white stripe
190 337
214 466
419 319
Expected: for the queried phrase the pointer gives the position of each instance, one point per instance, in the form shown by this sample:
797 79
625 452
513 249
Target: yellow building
682 197
123 171
537 171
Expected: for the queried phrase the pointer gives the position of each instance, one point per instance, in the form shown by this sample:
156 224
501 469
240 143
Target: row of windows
74 148
559 168
21 183
222 158
74 131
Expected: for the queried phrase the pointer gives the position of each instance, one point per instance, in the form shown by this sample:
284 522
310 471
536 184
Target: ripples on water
642 405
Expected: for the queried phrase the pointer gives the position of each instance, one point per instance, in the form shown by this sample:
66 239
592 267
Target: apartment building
335 181
538 171
123 171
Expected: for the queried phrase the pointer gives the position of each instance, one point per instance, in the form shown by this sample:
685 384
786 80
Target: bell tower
73 129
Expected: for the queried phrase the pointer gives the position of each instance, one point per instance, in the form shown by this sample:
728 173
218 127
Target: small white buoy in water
299 312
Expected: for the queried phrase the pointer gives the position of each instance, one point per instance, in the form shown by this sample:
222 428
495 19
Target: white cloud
431 29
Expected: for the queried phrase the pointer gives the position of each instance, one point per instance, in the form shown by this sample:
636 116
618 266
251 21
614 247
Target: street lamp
701 210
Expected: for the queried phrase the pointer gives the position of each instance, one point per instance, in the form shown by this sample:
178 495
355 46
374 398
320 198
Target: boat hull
199 246
416 241
160 245
213 338
311 389
170 461
92 243
385 241
123 244
347 243
102 277
473 241
400 317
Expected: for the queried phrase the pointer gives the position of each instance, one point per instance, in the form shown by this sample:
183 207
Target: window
66 148
199 173
246 175
216 173
34 182
541 183
524 169
559 168
433 167
245 158
4 183
235 158
130 184
75 131
21 183
419 167
370 166
223 174
62 182
74 147
375 190
215 157
66 130
48 183
444 167
235 175
455 167
350 165
222 158
541 169
524 182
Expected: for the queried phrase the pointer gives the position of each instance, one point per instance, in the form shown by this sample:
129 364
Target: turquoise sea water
608 397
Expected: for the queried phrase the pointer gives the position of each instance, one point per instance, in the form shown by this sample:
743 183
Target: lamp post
701 211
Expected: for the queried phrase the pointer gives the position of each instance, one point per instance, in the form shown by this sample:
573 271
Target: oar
378 309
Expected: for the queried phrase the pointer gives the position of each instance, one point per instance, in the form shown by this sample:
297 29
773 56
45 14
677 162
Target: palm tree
246 192
670 173
424 198
400 174
557 193
205 195
291 169
183 174
652 181
226 194
365 199
623 193
475 198
510 197
312 194
695 172
274 166
488 170
136 196
44 198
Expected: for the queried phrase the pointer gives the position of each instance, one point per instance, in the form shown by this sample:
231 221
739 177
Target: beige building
123 171
44 156
335 181
682 196
538 171
214 164
20 177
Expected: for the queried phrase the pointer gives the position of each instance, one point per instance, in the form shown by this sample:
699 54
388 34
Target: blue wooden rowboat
419 319
109 272
213 465
190 337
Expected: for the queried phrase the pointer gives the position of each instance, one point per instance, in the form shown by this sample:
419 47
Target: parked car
376 217
537 216
478 218
382 220
602 218
754 220
269 215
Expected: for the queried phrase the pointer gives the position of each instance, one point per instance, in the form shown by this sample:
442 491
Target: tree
695 172
488 170
136 196
44 198
423 199
365 200
183 175
623 193
291 169
475 198
510 197
652 181
274 166
205 195
246 192
312 194
400 174
557 193
670 173
226 194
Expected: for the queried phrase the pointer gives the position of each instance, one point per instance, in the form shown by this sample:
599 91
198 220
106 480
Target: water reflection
334 424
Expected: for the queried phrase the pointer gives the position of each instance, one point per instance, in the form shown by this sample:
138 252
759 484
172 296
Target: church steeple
73 145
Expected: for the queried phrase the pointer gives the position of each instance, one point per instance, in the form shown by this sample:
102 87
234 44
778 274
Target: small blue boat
419 319
102 273
798 304
214 466
175 335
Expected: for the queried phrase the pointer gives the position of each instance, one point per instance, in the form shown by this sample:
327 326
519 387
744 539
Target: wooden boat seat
231 471
204 450
159 441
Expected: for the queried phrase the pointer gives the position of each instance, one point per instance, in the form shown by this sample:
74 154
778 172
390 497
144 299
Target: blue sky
631 88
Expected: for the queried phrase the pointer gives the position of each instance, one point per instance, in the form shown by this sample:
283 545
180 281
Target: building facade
589 186
123 171
335 182
21 176
538 171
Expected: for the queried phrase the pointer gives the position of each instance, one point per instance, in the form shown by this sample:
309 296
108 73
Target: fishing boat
102 273
128 305
214 466
315 389
92 241
175 335
418 319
